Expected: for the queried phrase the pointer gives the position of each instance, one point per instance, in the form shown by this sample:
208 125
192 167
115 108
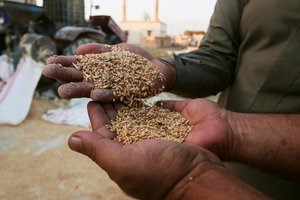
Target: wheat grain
132 78
143 122
129 75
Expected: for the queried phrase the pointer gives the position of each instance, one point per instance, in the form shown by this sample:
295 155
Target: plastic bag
17 94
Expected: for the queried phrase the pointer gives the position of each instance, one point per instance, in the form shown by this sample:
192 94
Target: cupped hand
61 68
148 169
210 128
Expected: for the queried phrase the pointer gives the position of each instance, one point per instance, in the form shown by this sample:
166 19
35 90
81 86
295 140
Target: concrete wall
139 29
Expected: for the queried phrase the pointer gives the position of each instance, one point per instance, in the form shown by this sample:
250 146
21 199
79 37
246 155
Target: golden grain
142 122
131 78
127 74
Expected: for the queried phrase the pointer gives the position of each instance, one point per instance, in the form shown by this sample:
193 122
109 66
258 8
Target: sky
179 15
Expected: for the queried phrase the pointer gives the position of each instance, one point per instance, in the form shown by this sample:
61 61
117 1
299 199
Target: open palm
209 122
148 169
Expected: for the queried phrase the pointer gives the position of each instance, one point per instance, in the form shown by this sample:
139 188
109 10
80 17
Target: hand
210 127
75 87
149 169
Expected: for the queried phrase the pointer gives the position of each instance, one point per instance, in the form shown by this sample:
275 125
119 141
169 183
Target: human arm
212 67
157 169
267 141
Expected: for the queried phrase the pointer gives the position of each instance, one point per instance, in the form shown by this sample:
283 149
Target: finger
66 61
106 95
103 95
136 50
63 74
105 152
110 110
118 106
92 48
99 119
75 90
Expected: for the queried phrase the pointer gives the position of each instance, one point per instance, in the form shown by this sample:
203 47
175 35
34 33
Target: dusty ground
36 162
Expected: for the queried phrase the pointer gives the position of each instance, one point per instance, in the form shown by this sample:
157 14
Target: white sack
76 114
16 97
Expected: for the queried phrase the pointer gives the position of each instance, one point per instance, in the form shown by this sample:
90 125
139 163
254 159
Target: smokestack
124 11
156 11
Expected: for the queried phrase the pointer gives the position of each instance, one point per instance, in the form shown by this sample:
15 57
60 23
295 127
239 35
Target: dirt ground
36 162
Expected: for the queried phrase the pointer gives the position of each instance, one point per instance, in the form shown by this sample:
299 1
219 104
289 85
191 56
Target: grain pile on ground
132 77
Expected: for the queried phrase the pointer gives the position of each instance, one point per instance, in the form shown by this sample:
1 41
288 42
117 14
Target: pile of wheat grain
132 77
149 122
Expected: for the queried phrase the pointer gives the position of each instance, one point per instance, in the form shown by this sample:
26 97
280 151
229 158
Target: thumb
78 141
105 152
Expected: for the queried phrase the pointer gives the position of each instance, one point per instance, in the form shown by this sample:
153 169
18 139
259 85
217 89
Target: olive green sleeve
210 69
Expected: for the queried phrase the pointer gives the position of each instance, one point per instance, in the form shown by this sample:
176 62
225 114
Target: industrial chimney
124 11
156 11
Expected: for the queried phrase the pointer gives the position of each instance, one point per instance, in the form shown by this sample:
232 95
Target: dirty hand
61 68
149 169
210 127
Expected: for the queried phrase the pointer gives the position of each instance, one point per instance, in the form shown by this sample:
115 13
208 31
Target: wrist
169 72
212 183
234 147
267 141
188 187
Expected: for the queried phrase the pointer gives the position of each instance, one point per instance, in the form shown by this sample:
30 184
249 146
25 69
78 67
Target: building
190 39
64 12
146 31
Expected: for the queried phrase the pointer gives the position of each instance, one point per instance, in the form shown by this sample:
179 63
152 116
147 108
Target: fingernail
75 143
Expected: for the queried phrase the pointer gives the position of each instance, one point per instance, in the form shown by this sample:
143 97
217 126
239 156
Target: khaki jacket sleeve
210 69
